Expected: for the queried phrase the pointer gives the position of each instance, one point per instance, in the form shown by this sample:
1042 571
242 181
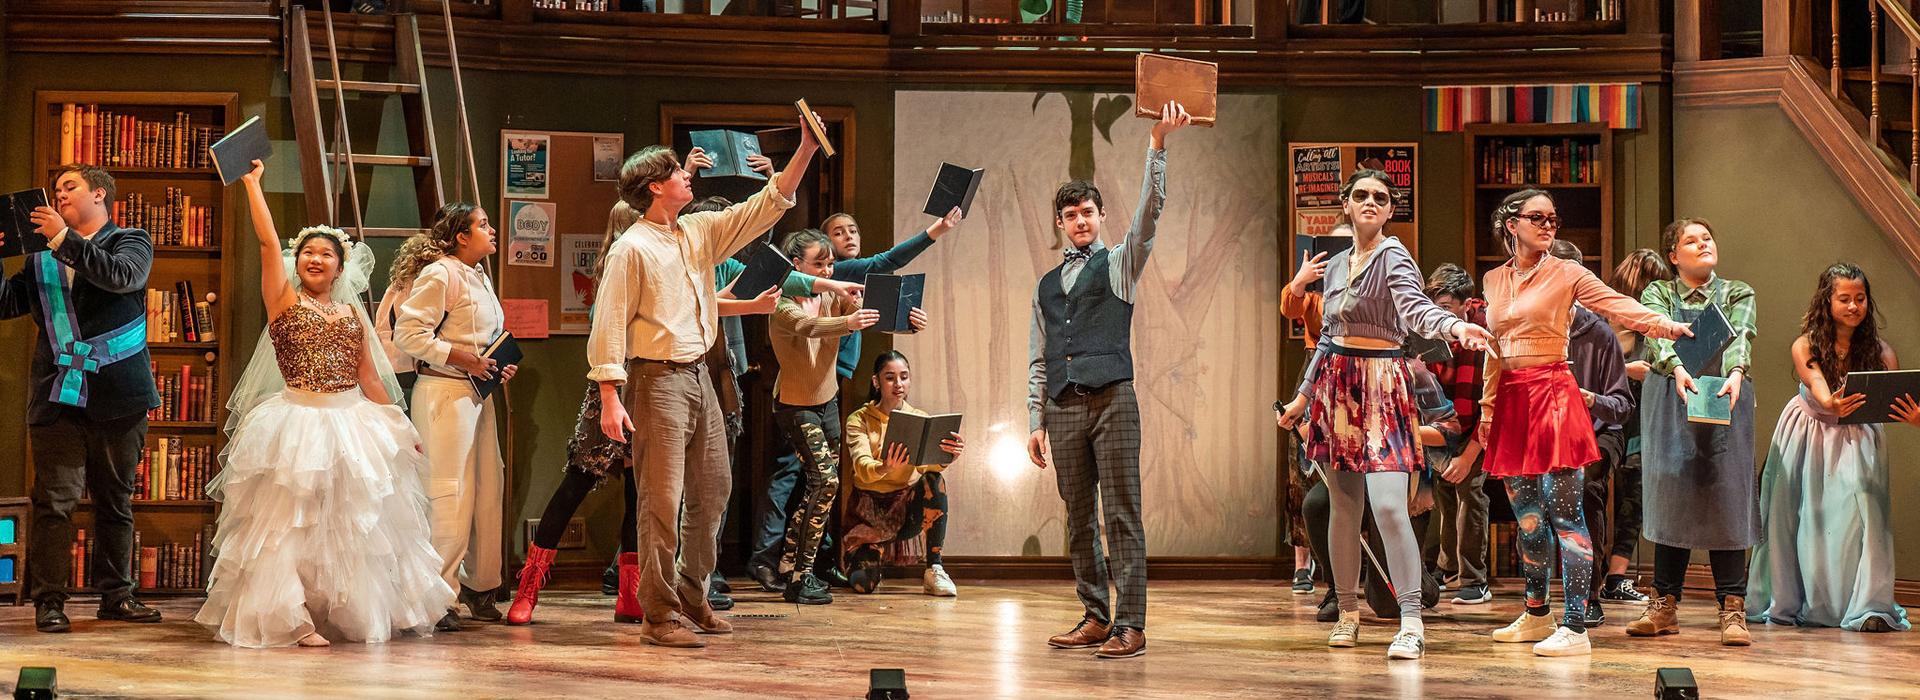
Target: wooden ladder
331 164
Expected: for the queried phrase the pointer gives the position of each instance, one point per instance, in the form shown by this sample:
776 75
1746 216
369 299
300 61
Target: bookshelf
154 144
1573 162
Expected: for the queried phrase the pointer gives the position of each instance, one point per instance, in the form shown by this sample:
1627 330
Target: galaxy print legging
1548 507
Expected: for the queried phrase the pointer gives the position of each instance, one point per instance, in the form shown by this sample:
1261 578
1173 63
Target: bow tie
1072 255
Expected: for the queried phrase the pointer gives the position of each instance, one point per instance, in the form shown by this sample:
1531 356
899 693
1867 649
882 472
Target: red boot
626 606
533 577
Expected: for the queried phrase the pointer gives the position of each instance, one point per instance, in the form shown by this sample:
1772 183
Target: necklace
324 307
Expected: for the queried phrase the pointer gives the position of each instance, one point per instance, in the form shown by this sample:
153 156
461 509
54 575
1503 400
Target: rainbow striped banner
1452 107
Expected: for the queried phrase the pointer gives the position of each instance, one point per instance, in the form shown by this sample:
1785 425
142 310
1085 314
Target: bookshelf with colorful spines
1572 162
155 146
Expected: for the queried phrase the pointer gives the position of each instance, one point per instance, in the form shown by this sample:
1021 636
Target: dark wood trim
1696 31
1786 27
1831 127
1268 54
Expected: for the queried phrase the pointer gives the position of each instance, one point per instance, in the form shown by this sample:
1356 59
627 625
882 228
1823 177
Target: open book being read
921 435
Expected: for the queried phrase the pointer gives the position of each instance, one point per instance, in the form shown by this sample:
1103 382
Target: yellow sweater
805 334
866 437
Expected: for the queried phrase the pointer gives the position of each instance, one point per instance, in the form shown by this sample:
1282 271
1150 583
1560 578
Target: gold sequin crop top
314 353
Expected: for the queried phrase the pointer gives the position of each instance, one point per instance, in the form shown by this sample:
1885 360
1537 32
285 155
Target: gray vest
1089 330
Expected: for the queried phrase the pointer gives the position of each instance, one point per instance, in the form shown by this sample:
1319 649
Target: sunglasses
1539 220
1379 197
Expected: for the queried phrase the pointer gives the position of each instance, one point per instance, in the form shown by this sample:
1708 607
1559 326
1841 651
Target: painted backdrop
1205 321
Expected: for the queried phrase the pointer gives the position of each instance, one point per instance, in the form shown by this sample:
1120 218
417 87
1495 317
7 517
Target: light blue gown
1826 559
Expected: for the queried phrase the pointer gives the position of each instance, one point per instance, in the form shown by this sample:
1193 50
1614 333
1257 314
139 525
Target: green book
1705 406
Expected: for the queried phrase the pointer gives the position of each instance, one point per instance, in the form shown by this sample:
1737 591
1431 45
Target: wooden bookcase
208 268
1584 199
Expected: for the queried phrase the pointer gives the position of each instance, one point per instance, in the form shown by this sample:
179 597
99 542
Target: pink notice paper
526 318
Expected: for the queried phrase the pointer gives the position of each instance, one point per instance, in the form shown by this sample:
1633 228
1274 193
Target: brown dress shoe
1733 622
1125 642
1089 633
705 621
1662 617
670 634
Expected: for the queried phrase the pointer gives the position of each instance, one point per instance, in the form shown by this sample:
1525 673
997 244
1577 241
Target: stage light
36 683
887 684
1675 684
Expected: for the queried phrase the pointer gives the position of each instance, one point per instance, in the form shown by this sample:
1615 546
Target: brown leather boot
1662 617
1733 622
1089 633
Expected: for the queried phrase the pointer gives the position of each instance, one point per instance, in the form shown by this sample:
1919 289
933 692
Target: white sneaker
936 583
1528 628
1408 644
1564 642
1346 632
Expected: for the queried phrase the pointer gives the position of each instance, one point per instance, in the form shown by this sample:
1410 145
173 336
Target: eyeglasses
1539 220
1360 197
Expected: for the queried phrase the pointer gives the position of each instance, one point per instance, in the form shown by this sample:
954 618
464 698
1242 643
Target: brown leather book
813 124
1159 79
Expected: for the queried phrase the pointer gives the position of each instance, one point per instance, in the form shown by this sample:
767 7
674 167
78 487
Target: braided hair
1509 210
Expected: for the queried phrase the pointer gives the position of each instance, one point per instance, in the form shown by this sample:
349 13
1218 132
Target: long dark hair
1821 330
879 365
441 240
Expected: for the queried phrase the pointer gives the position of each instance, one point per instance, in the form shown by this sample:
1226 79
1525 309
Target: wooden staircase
334 166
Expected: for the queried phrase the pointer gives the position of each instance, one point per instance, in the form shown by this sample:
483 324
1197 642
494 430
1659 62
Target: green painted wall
1778 232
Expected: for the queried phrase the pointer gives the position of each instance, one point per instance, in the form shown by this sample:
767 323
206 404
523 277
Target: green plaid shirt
1669 296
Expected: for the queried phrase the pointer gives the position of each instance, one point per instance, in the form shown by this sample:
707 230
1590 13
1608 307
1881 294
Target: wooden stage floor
1206 640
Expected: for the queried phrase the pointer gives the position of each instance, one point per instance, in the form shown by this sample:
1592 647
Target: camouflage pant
814 432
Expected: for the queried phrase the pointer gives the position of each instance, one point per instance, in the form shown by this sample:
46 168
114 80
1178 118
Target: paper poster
1316 222
526 169
526 319
530 234
1316 176
579 254
606 157
1397 161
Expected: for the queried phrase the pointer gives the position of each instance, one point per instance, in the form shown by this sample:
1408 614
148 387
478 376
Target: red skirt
1540 423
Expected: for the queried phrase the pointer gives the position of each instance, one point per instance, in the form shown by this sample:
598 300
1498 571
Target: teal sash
76 357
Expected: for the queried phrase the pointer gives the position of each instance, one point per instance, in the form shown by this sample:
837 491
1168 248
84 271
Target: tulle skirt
323 526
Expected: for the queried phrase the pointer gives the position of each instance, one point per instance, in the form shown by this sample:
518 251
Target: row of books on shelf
91 135
178 316
582 5
1508 11
1562 162
179 565
174 220
171 470
184 395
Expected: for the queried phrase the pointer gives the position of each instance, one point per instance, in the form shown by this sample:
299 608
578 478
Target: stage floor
1206 639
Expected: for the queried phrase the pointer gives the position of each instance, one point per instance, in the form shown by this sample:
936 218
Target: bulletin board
556 189
1314 174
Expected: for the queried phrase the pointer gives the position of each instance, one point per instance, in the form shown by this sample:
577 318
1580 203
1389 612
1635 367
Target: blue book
1707 406
1700 354
729 151
504 350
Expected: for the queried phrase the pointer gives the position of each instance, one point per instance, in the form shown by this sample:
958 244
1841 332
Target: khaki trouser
679 452
464 478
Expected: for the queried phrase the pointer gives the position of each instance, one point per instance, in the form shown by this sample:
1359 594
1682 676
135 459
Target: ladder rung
327 86
371 232
402 161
